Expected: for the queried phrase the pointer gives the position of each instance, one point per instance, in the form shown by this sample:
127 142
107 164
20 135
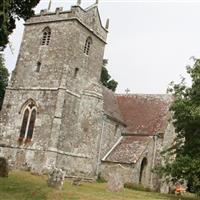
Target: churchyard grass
24 186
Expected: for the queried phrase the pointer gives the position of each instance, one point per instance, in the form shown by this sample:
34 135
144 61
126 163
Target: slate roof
128 150
145 114
111 107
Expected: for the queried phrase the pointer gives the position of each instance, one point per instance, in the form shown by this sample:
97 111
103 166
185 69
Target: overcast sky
149 43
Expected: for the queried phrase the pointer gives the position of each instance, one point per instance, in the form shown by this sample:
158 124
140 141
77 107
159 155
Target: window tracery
28 122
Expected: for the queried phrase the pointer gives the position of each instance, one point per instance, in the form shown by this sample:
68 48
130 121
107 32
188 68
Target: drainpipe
154 156
100 145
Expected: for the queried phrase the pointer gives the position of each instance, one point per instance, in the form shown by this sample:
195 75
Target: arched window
38 67
46 36
28 122
88 44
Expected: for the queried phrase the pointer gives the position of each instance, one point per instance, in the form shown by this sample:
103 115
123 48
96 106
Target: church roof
111 107
146 114
128 150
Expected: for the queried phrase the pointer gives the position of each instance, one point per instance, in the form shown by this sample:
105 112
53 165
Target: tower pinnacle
107 24
49 6
78 2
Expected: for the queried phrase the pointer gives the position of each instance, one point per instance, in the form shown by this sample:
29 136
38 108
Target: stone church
56 113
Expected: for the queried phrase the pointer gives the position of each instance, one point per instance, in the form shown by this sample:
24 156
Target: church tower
53 107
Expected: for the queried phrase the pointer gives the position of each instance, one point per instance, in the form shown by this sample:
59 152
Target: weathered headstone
115 182
77 181
4 169
56 178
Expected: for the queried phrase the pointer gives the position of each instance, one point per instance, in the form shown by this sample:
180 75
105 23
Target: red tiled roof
129 150
145 114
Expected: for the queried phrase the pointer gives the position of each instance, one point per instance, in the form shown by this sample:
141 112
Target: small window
28 123
88 44
46 36
38 66
76 72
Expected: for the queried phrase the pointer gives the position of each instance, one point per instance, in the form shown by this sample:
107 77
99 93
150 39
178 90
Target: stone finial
78 2
49 6
58 10
97 1
107 23
43 12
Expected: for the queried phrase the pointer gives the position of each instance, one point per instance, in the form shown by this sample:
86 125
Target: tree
185 152
10 10
3 79
106 78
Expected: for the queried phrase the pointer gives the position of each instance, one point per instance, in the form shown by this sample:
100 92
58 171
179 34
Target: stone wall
80 134
66 90
33 153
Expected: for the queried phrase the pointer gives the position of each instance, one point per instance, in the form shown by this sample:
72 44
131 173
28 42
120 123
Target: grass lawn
24 186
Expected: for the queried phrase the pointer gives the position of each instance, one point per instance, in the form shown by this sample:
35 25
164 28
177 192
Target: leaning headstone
77 181
56 178
4 169
115 182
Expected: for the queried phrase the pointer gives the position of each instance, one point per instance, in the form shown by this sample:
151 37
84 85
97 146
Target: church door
143 172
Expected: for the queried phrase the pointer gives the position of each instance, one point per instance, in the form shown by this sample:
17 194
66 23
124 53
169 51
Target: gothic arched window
87 45
46 36
28 122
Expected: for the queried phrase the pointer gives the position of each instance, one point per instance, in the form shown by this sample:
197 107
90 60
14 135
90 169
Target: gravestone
115 182
56 178
77 181
4 169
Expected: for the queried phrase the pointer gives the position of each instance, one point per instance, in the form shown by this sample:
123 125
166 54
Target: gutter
154 156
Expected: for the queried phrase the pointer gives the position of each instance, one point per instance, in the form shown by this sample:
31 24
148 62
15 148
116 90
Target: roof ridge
142 94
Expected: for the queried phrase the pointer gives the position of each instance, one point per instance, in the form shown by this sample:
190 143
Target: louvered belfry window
46 36
88 44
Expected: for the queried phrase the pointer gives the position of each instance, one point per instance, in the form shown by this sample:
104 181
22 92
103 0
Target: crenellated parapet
88 17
